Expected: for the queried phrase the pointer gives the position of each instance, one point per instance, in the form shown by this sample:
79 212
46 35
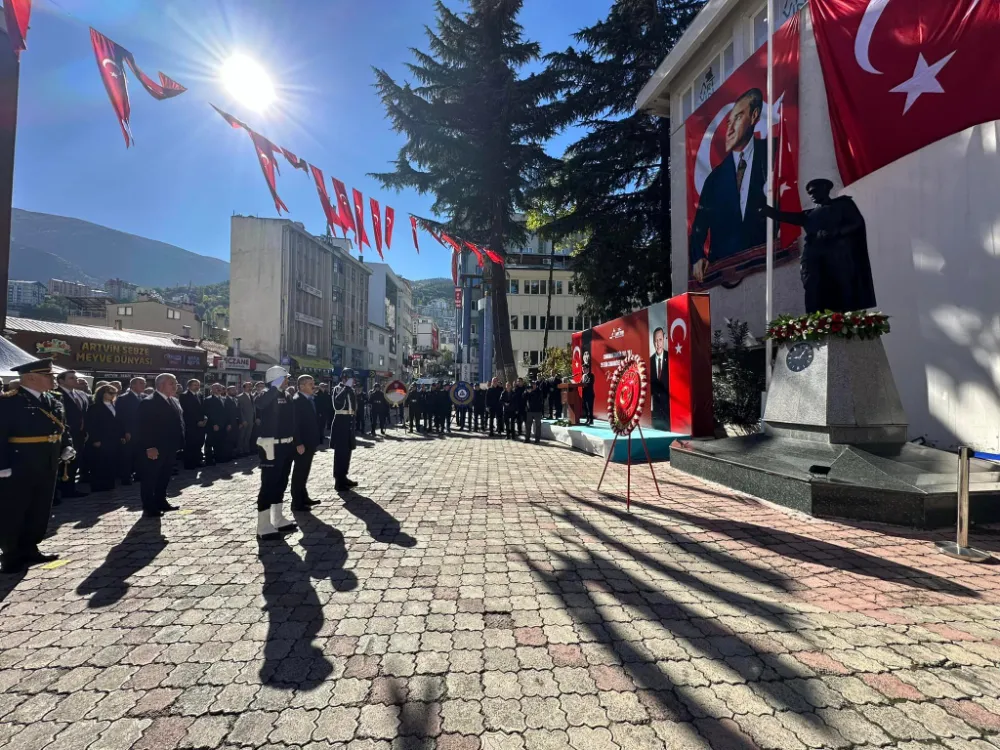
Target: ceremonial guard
379 407
415 401
345 406
277 449
33 442
479 408
75 405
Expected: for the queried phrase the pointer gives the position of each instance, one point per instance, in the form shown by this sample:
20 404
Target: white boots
265 529
279 521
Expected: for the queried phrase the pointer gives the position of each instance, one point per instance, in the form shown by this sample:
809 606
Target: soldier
276 448
379 407
415 400
33 442
75 405
362 401
479 408
345 405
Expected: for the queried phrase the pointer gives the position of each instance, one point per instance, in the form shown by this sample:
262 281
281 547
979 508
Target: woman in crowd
104 439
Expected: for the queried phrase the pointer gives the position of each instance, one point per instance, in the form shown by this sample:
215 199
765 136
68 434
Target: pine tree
617 176
475 131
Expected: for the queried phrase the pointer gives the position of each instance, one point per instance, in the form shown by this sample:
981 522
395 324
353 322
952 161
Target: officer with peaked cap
33 442
275 445
345 404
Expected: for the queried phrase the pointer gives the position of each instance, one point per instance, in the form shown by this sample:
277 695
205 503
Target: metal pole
960 548
649 461
769 267
9 73
628 486
611 452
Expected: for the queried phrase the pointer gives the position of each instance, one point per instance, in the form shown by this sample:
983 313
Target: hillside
45 246
426 290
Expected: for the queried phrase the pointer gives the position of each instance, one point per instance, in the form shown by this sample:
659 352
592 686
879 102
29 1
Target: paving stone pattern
482 594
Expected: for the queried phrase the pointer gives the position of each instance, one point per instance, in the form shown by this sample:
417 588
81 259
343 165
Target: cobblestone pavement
482 594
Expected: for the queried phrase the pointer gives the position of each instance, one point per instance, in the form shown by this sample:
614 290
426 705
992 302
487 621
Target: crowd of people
56 435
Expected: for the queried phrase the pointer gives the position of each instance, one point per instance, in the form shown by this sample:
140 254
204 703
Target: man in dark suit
75 405
729 207
160 428
126 408
194 424
215 412
659 383
307 440
234 423
324 407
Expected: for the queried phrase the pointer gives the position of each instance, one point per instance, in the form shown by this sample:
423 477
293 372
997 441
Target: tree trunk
503 350
665 202
548 302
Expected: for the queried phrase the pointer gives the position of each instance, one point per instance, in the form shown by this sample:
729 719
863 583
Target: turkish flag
167 88
332 219
493 256
390 219
111 62
343 206
298 163
413 227
689 361
16 14
265 156
377 225
454 267
901 74
360 235
475 250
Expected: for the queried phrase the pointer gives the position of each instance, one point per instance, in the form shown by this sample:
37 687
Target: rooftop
96 333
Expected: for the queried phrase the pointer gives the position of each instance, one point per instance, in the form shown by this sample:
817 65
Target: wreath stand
626 397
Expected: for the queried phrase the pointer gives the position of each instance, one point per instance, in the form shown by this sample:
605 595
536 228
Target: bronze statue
836 272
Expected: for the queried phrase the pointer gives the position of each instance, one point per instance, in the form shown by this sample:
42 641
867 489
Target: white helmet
275 373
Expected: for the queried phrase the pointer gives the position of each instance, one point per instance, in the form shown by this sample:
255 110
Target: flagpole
769 268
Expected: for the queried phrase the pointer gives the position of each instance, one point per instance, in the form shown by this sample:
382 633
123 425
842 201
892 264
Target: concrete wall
934 240
255 284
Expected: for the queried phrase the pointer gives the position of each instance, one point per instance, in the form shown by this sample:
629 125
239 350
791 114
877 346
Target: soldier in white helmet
276 447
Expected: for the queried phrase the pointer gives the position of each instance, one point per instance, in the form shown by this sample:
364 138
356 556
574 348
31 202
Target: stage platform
597 441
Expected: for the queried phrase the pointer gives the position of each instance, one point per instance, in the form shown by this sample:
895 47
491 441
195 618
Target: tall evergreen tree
617 176
475 131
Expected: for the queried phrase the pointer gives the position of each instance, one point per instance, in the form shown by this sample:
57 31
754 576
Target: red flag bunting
454 267
265 156
493 256
17 13
444 238
343 206
377 226
359 214
390 219
111 59
332 219
298 163
475 250
902 75
413 227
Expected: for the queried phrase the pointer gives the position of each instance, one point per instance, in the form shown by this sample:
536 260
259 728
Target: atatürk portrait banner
727 170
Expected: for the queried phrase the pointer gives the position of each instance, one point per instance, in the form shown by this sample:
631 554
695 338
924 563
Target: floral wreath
819 325
627 394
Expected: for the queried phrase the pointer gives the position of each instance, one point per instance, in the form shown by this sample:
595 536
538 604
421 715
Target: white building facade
933 232
390 306
26 293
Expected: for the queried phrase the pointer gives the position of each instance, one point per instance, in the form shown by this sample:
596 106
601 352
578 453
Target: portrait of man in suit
659 388
728 219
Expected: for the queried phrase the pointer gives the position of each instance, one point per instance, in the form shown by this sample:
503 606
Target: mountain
45 246
426 290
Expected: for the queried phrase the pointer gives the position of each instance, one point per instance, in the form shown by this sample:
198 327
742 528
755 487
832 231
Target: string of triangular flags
111 61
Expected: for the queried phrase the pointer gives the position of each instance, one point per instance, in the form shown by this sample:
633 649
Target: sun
247 81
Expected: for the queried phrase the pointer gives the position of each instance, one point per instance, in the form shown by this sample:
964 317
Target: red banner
377 226
475 250
576 341
727 172
332 220
297 163
901 75
343 206
610 343
360 234
458 296
265 156
390 219
16 14
413 227
689 349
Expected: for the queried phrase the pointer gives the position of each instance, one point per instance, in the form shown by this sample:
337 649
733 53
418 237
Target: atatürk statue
836 273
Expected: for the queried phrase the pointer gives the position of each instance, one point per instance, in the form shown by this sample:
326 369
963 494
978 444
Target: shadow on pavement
109 582
382 525
294 619
326 552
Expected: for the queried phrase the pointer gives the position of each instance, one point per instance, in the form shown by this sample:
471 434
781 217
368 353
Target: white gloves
5 473
68 454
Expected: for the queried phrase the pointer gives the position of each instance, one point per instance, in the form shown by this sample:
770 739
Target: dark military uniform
33 435
277 423
345 405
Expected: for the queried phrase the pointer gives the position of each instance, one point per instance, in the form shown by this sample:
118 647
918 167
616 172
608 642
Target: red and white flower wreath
627 394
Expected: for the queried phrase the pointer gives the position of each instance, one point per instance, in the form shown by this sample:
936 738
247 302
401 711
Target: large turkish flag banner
689 356
901 74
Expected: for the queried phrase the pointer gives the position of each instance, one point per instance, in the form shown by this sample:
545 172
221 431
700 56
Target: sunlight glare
247 81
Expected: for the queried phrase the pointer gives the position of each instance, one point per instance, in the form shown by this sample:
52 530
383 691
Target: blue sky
188 171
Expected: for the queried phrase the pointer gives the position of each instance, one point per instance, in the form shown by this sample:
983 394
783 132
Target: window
526 320
534 357
552 322
173 314
760 29
123 310
728 61
534 322
514 284
686 107
558 322
371 358
371 335
513 322
525 357
541 287
534 287
381 360
541 322
381 340
558 287
570 285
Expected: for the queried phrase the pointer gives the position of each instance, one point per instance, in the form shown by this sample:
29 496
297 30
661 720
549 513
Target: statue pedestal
838 391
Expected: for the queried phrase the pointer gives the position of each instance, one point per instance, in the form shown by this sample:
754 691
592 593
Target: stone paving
482 594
